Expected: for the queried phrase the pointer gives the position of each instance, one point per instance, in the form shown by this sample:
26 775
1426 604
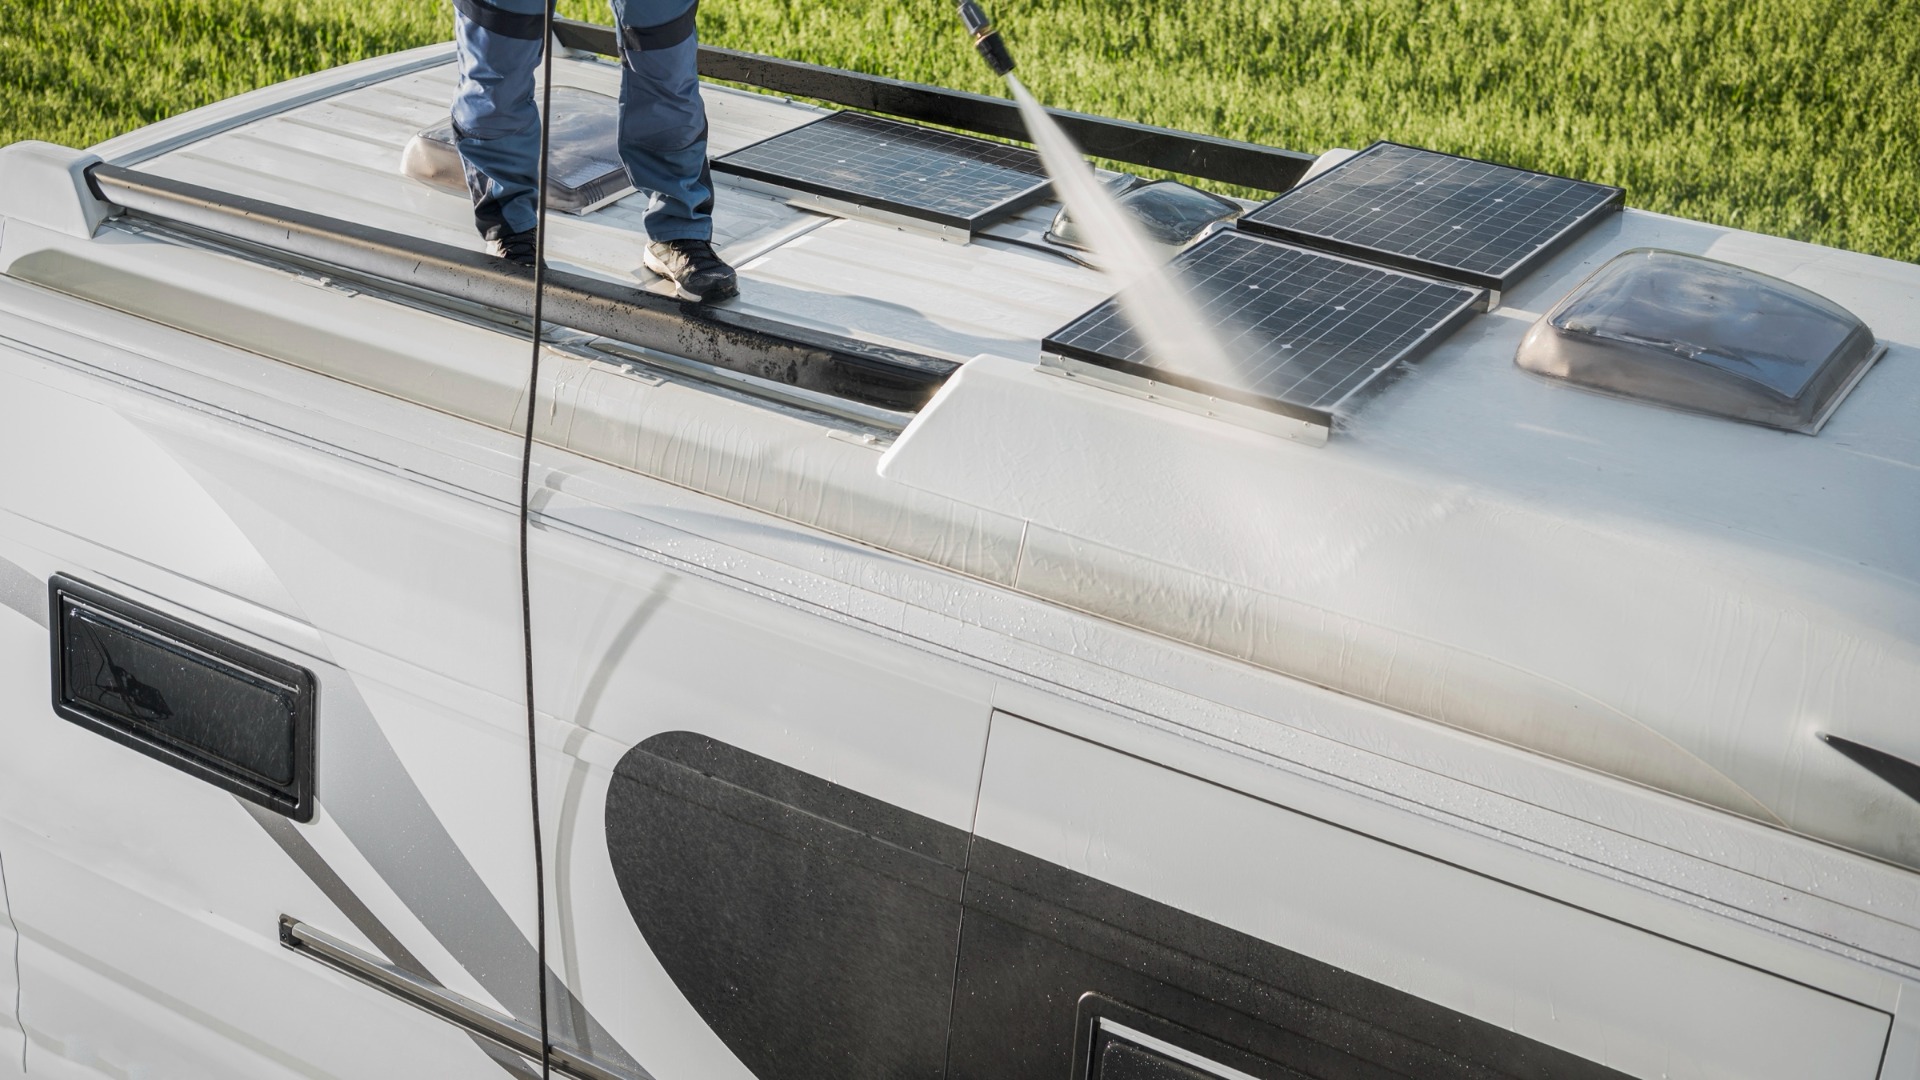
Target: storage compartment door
1125 919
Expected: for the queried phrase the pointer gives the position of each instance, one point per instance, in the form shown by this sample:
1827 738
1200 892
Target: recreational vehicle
1508 667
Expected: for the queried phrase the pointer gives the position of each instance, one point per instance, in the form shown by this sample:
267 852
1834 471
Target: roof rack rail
1206 157
814 360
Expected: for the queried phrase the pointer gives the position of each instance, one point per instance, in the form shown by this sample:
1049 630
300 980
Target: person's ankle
697 271
519 248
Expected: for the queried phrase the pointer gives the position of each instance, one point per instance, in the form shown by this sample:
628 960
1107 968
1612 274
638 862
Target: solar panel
1434 213
1305 332
948 179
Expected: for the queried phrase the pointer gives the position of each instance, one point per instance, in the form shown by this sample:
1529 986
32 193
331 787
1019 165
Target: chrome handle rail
431 997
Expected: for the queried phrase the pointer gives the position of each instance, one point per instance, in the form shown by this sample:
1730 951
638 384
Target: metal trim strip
429 997
815 360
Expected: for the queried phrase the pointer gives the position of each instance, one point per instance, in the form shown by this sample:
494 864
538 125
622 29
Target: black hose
526 577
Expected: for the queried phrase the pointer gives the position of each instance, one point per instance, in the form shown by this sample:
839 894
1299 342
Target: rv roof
1678 599
340 156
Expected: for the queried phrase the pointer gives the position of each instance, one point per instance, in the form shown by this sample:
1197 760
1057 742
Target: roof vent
1705 336
1172 213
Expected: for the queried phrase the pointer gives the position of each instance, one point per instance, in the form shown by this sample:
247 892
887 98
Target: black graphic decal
813 928
816 931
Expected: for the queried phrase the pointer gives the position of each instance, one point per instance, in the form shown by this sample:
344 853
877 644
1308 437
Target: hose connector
986 40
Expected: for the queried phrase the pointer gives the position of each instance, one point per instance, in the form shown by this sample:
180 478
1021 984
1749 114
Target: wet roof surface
341 156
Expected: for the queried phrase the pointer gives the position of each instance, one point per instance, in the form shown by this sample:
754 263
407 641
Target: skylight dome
1704 336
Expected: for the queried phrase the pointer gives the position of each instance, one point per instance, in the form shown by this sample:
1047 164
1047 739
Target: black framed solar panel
1305 332
952 180
1439 214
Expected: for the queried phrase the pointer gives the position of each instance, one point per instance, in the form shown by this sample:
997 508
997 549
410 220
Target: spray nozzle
987 40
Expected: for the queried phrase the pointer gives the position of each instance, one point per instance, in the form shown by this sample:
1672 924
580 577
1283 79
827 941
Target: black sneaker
517 248
694 269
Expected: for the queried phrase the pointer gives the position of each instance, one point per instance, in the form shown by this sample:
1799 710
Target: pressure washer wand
987 40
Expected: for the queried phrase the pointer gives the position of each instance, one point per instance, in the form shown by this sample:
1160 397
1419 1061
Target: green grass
1794 117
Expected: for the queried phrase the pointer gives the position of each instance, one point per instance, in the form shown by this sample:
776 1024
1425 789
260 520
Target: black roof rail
814 360
1205 157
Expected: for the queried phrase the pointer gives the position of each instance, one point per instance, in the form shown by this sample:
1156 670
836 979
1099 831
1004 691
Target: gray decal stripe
23 592
369 793
506 1058
310 862
376 803
335 889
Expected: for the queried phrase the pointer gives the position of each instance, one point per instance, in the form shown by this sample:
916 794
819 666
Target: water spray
986 40
1156 303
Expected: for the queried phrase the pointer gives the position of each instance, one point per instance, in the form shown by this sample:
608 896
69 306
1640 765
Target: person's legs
663 141
663 122
496 123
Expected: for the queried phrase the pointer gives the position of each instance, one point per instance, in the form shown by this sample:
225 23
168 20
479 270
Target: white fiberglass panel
148 900
1694 660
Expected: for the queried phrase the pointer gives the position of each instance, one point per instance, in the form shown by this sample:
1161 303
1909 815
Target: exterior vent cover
1704 336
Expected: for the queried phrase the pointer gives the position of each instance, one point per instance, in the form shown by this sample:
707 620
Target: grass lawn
1794 117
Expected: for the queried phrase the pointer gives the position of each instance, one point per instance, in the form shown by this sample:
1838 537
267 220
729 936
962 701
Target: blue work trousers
663 123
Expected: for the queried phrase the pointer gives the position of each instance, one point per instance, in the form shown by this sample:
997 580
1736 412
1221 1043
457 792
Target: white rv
920 694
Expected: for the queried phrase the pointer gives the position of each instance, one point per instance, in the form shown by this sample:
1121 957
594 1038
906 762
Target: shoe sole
682 291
